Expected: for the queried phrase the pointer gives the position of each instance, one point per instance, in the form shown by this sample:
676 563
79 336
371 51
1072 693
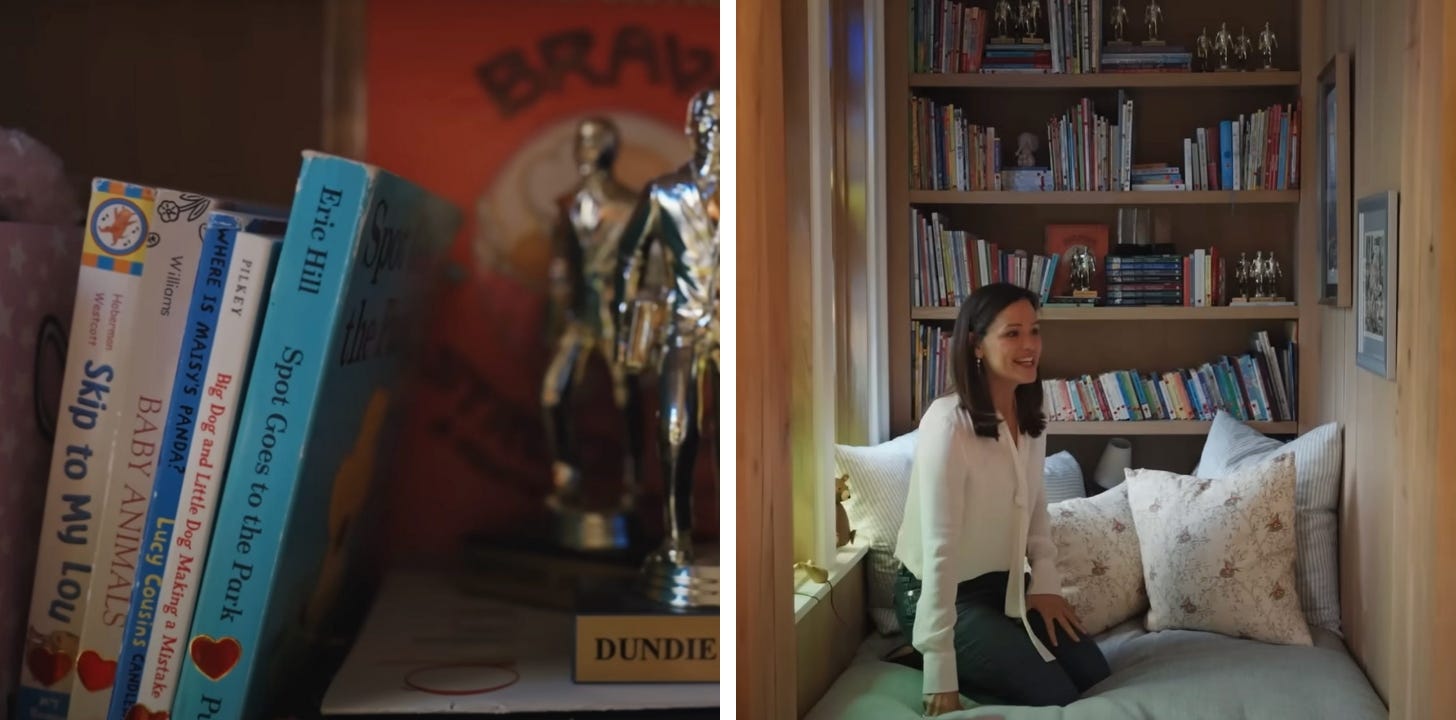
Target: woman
976 514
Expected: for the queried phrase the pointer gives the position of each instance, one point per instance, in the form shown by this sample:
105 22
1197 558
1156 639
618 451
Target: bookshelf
1168 107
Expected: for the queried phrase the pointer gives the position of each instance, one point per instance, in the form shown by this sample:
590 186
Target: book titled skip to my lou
308 393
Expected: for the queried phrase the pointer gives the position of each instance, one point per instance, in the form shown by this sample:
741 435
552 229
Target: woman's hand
1056 611
941 703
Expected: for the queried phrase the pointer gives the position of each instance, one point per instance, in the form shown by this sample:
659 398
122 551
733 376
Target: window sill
808 593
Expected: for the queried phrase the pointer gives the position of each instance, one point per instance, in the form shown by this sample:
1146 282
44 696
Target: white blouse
975 505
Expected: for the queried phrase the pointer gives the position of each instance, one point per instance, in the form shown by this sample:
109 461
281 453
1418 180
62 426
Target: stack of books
1145 58
222 405
1142 280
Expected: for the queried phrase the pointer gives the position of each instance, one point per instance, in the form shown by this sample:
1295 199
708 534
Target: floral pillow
1218 554
1098 558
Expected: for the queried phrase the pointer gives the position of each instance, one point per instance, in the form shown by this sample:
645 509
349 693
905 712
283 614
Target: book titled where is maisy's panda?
362 248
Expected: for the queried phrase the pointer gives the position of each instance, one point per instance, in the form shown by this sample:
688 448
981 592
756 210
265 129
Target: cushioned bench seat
1173 674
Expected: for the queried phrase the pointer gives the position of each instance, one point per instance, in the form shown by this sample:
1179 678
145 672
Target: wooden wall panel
765 633
249 94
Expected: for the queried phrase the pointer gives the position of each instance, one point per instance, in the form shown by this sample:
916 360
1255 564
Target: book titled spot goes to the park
361 248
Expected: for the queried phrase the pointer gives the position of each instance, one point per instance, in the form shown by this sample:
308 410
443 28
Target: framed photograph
1377 252
1334 184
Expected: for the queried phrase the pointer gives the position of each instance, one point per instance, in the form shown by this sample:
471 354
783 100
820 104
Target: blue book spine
1226 154
229 621
192 361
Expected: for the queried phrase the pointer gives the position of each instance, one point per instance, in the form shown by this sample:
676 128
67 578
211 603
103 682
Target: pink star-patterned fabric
38 269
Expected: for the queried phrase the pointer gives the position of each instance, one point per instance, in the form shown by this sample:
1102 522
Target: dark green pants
995 660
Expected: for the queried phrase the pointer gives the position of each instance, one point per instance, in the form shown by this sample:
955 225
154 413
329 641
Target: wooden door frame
765 656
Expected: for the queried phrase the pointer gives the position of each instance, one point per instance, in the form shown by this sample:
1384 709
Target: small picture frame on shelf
1334 181
1378 252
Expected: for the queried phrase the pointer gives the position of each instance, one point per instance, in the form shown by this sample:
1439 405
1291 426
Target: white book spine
165 289
244 297
92 415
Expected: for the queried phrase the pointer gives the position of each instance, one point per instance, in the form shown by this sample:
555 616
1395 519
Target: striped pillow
1232 445
1062 478
878 484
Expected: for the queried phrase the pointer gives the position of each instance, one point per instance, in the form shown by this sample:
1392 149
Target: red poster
479 101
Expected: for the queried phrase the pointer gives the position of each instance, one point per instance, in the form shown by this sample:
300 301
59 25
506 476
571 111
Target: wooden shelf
1057 81
1174 312
1130 197
1159 427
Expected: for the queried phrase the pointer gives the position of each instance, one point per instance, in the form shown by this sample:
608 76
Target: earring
978 365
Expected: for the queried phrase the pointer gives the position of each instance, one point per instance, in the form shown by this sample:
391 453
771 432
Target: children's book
154 631
361 246
231 285
173 242
91 417
37 291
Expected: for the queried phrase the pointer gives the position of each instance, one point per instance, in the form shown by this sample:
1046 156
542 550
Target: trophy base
670 583
1033 41
1003 40
535 572
1119 43
1085 294
1268 68
1153 43
585 530
1260 300
621 636
1228 69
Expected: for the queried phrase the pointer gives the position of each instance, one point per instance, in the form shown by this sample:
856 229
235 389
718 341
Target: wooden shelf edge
1159 427
1056 81
1129 197
1155 313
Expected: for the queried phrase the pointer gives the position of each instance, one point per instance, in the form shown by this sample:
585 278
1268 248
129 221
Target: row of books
222 403
1128 58
1192 280
946 265
1089 151
1258 385
949 153
1256 151
949 36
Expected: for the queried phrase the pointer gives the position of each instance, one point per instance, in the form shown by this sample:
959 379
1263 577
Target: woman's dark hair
968 381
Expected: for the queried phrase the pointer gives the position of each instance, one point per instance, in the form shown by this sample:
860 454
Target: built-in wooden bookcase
1169 106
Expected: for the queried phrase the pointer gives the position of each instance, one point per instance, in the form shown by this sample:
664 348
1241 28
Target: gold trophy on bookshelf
591 218
1030 22
1153 16
1223 45
1118 17
1242 46
679 212
1267 43
1001 14
1082 265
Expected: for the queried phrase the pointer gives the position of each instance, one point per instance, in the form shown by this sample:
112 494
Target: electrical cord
821 576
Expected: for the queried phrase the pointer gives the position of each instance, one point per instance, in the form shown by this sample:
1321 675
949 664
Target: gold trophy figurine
679 212
1153 16
1223 44
1002 16
1242 44
1031 22
1118 15
1267 43
585 254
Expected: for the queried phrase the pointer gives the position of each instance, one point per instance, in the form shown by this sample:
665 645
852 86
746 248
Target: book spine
177 220
90 418
227 641
245 291
146 613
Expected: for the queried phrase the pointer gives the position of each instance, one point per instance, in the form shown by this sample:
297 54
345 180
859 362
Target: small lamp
1116 459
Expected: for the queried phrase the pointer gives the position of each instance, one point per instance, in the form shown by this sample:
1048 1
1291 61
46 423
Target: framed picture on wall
1377 252
1334 184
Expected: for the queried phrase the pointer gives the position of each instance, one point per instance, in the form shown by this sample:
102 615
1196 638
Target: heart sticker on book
95 673
142 712
47 665
215 658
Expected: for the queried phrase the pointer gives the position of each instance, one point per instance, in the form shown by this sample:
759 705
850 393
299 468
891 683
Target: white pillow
1232 445
1218 553
1098 558
878 483
1062 477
